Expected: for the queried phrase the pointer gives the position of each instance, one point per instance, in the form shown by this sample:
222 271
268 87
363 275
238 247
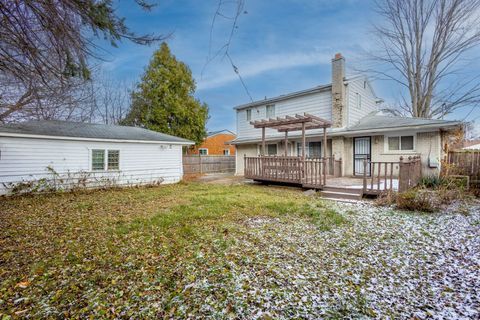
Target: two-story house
359 130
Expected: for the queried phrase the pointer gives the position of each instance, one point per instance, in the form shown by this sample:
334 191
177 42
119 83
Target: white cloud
260 64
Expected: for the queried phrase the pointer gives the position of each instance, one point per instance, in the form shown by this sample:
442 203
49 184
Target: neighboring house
358 129
216 143
68 154
471 145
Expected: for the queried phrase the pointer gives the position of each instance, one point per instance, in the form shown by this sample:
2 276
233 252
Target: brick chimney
338 92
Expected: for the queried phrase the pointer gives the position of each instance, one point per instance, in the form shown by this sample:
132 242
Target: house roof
82 131
225 131
284 97
383 122
299 94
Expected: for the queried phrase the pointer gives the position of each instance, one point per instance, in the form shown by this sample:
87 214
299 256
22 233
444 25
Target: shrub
432 182
417 200
386 199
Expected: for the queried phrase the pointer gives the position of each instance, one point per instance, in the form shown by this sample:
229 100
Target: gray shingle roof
88 130
226 131
381 122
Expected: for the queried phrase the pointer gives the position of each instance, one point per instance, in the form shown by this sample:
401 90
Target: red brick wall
216 144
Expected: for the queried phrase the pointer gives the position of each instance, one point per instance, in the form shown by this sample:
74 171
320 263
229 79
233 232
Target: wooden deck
309 173
325 173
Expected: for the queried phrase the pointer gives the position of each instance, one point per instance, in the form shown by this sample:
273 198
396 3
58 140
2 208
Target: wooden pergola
294 123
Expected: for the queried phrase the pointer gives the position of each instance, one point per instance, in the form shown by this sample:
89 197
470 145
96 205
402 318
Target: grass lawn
132 252
196 250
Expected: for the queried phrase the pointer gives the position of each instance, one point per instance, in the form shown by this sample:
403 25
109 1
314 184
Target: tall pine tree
163 101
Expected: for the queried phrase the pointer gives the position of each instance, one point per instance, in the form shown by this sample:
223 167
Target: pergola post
303 140
325 156
263 141
286 143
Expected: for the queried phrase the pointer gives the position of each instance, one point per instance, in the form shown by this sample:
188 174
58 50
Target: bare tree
422 46
110 100
44 44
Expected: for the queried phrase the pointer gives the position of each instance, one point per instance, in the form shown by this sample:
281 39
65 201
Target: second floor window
271 111
359 101
249 114
203 151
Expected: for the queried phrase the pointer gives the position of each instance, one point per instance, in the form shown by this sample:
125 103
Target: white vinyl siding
27 159
317 103
361 101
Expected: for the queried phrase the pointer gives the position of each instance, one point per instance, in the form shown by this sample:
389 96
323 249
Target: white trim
199 150
399 135
35 136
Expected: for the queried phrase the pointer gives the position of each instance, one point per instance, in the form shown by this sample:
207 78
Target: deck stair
341 193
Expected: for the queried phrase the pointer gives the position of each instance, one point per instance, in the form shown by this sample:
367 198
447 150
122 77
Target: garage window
113 160
105 159
98 159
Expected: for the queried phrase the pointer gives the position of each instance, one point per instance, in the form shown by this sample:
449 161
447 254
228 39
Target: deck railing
310 172
382 173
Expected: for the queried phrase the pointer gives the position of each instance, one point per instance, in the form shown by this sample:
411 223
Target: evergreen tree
163 101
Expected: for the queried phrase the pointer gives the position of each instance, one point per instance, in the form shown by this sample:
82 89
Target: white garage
38 156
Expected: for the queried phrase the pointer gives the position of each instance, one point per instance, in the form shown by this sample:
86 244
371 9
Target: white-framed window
113 160
312 149
249 114
203 151
226 152
401 143
358 98
272 149
98 159
270 111
105 159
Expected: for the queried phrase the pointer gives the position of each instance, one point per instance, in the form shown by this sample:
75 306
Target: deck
325 173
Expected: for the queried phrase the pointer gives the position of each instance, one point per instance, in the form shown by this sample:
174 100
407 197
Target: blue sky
279 46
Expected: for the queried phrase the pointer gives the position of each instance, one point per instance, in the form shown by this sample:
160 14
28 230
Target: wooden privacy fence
378 176
197 164
465 163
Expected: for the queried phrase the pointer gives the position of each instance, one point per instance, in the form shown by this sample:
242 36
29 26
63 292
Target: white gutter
35 136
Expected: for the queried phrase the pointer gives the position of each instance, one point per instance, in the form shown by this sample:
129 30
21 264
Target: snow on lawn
381 264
